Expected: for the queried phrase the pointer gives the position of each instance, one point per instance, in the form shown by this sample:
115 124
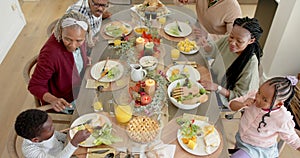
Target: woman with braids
264 119
40 138
61 63
237 58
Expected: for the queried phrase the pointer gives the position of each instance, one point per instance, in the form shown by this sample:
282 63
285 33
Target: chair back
27 72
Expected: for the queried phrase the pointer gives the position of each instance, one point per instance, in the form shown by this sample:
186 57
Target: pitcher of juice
123 112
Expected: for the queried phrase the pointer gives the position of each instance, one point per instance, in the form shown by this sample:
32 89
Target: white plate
191 52
193 73
95 122
185 28
178 104
200 149
148 62
116 26
97 68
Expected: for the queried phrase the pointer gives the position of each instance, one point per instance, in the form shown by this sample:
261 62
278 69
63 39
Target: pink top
280 123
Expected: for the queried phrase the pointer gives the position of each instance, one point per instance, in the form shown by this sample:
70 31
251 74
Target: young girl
265 119
40 139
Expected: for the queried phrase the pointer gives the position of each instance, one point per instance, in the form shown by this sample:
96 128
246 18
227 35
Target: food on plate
117 28
187 45
101 132
189 132
142 129
140 29
112 72
189 93
174 30
177 74
152 6
148 62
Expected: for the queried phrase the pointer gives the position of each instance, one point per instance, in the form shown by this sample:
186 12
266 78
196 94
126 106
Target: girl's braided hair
233 72
283 90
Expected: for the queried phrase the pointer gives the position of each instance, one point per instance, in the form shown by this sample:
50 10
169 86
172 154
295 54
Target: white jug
137 72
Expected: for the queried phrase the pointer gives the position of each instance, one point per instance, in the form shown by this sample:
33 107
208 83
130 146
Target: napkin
94 84
158 149
94 155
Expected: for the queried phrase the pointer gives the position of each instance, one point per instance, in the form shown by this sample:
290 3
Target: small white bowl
148 62
174 101
138 30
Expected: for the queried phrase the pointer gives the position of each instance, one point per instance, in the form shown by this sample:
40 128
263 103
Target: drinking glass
175 53
162 20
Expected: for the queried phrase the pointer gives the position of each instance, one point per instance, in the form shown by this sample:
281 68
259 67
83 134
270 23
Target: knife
94 152
103 69
106 72
179 29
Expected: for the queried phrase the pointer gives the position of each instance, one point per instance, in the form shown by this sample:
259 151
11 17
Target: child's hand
80 136
249 102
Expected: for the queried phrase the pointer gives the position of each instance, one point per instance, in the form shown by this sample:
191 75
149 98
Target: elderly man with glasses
94 10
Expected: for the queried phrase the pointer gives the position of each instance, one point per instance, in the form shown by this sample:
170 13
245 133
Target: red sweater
56 72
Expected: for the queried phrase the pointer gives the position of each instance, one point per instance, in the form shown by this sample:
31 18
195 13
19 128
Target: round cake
142 129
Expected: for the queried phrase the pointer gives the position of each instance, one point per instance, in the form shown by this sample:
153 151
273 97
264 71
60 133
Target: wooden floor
14 95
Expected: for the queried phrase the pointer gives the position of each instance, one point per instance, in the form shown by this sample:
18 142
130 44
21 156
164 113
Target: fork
179 29
84 123
184 91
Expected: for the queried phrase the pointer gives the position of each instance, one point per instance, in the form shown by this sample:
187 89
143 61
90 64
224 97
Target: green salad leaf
174 30
112 73
104 136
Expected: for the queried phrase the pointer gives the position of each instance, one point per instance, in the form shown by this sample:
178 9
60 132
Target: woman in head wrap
61 63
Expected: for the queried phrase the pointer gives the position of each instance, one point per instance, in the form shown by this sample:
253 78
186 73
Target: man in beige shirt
216 16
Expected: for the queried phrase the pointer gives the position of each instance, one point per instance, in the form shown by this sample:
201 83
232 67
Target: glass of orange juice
175 53
123 113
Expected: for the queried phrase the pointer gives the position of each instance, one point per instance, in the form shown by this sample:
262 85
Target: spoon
230 116
109 155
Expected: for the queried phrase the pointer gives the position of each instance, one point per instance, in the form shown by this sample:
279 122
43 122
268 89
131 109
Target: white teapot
137 72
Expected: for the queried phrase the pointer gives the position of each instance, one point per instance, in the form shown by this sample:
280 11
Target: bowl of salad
187 94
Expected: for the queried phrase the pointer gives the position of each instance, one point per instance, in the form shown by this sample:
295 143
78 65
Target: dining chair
14 143
59 117
50 28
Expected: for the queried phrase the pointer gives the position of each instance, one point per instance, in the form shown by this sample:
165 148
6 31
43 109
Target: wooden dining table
102 50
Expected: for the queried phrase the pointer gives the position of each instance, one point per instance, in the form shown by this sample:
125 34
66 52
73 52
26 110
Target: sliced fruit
191 144
203 98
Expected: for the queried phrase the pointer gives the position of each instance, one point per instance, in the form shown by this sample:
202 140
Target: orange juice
123 113
175 54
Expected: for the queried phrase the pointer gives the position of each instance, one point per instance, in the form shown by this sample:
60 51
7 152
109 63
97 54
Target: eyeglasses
99 5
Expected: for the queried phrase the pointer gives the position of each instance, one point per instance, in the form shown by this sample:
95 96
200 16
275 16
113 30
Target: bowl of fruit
187 46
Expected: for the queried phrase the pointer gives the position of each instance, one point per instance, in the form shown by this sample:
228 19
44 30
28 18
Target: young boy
40 138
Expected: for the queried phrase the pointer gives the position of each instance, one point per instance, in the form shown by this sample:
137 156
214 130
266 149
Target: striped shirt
82 6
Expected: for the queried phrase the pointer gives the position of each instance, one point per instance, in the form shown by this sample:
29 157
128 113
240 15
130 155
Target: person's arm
242 102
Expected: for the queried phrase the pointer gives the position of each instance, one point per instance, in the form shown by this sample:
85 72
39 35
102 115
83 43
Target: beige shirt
217 19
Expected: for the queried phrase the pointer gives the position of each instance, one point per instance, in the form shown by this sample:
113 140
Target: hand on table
80 136
60 104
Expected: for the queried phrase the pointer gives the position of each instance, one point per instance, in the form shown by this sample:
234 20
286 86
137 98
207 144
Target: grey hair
58 28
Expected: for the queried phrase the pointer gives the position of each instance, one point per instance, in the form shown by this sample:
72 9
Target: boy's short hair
29 123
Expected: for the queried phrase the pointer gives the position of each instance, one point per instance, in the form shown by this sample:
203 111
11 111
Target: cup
123 112
175 53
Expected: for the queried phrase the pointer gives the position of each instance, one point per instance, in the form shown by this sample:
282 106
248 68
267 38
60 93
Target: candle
146 99
149 48
150 87
139 42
